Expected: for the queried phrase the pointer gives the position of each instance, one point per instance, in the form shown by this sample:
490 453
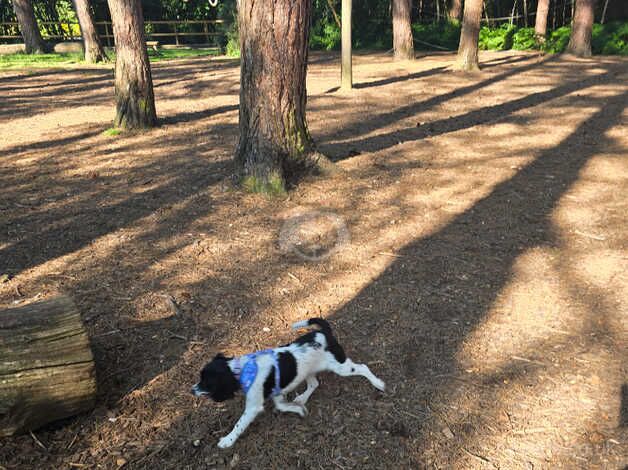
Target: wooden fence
211 32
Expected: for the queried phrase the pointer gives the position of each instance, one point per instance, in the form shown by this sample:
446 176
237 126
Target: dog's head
217 380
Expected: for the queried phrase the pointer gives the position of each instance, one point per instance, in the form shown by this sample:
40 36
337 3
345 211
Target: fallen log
46 365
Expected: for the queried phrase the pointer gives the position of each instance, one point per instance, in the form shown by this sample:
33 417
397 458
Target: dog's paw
299 400
225 442
303 412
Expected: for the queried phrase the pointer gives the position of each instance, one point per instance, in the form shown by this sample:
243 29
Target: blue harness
248 371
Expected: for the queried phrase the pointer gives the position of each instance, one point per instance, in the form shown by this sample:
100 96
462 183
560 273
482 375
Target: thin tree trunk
94 50
455 10
525 13
135 102
29 29
580 40
274 141
540 24
604 12
346 69
403 43
469 36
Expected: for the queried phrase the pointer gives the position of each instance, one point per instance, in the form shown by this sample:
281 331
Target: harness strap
245 370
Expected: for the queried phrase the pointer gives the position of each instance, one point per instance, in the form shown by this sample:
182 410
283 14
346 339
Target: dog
277 372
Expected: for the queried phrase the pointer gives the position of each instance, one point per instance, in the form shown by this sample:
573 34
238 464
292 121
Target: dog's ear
225 384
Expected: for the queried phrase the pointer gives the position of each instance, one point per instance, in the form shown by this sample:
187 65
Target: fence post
176 36
205 30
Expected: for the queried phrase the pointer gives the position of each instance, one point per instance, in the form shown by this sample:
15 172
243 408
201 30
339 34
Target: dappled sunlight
463 281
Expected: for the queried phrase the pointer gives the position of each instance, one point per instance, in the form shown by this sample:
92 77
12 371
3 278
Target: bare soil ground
484 275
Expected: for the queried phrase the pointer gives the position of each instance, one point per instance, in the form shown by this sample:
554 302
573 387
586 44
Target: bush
497 39
445 35
524 39
557 40
610 39
325 36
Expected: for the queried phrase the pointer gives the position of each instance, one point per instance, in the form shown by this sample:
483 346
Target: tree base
467 66
276 183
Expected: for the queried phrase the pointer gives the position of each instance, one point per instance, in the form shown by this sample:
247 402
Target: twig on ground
531 361
477 456
38 442
600 238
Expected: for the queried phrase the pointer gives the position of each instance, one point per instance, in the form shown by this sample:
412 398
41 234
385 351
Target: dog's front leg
254 406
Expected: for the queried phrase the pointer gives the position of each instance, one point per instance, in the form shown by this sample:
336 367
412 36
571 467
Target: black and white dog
277 372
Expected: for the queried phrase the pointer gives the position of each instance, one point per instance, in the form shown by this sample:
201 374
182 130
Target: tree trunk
346 69
94 51
46 365
580 40
135 102
455 10
34 43
275 143
469 36
403 43
540 24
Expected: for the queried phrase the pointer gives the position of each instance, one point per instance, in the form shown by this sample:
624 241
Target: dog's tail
322 324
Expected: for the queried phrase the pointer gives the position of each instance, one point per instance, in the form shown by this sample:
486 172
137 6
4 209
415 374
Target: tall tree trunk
580 40
403 43
94 51
455 10
540 24
275 144
469 36
33 41
135 101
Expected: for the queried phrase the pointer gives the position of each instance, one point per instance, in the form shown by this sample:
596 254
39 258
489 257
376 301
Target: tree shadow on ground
436 292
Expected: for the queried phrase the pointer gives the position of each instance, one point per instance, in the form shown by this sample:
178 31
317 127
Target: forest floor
472 251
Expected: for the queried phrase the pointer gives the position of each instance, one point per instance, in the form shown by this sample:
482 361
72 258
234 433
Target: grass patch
26 61
112 132
21 60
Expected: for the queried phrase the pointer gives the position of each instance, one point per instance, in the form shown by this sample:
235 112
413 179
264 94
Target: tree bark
540 24
135 101
455 10
275 144
46 365
94 50
33 42
580 40
403 44
469 36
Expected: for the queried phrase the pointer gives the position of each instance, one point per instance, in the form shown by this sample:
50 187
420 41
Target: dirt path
484 274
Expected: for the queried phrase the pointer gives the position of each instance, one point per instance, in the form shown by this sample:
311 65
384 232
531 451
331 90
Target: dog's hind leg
349 368
312 384
282 405
254 406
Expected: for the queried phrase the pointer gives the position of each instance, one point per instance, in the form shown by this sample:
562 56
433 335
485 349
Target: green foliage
112 132
557 40
325 36
610 39
607 39
497 39
232 48
446 35
524 39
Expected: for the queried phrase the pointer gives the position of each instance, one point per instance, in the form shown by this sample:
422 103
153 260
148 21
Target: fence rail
210 30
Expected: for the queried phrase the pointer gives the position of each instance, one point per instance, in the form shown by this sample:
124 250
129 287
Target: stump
46 365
